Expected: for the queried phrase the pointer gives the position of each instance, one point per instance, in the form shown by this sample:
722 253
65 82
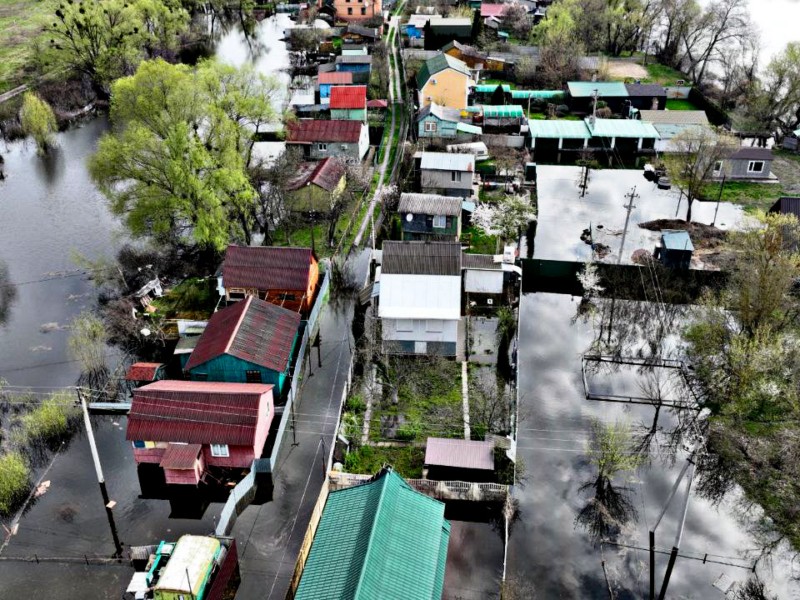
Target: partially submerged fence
245 491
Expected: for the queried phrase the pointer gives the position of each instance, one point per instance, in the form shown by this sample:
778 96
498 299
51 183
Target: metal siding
483 282
240 457
433 182
420 297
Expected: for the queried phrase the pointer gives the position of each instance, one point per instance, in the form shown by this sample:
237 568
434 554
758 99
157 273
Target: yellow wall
449 90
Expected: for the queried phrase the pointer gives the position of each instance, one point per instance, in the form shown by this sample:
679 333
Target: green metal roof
555 129
379 540
622 128
503 111
540 94
466 128
676 240
438 63
796 132
489 88
585 89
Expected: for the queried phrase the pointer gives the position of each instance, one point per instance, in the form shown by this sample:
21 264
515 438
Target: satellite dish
409 217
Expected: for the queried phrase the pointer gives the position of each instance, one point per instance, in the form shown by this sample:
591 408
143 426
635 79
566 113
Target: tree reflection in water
8 293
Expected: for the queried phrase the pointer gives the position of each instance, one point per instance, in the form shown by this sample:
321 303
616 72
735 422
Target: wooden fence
305 548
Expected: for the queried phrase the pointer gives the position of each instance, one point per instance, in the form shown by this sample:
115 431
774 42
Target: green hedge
14 481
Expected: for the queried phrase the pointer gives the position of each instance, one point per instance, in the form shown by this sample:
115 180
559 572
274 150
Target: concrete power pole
99 470
631 196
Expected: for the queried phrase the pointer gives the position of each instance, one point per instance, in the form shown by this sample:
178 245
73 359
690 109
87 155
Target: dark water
546 548
49 210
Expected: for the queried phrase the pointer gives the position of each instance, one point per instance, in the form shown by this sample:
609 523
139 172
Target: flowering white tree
589 280
505 218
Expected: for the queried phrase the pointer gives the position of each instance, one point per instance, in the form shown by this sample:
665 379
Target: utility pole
631 196
595 95
719 198
99 470
673 555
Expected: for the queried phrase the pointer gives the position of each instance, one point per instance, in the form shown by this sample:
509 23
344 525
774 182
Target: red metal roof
197 412
492 10
180 456
267 268
377 103
307 131
326 174
252 330
336 77
461 454
143 371
349 96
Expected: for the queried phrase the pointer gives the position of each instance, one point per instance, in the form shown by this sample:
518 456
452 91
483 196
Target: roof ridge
362 571
248 302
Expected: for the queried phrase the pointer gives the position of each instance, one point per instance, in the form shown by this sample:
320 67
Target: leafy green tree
175 166
38 121
106 39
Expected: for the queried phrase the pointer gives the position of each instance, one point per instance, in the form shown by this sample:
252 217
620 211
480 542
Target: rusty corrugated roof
180 456
143 371
349 96
421 258
461 454
306 131
267 267
251 330
326 174
197 412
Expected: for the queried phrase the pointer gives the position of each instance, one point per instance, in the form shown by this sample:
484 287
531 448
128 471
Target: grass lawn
20 23
663 74
676 104
368 460
753 196
422 399
479 241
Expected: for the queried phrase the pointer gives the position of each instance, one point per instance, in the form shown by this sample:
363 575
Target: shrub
562 110
14 481
407 432
356 404
51 421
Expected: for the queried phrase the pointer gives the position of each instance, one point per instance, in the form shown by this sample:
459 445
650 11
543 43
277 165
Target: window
363 10
430 126
717 167
220 450
433 326
405 325
138 443
455 175
322 147
755 166
252 376
350 11
439 221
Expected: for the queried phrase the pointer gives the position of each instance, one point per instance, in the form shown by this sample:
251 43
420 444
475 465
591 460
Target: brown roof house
286 277
459 460
316 186
319 139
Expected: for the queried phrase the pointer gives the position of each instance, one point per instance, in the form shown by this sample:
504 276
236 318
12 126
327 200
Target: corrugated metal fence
244 492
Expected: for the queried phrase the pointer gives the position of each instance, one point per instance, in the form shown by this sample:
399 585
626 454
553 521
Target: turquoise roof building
381 540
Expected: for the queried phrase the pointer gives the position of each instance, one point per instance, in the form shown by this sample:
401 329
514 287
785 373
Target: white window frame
455 176
322 147
430 126
439 222
434 326
718 167
220 450
751 165
404 325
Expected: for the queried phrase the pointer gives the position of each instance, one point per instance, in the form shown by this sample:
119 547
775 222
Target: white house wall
420 330
483 282
420 297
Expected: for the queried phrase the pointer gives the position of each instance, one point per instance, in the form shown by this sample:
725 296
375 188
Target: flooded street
546 547
49 210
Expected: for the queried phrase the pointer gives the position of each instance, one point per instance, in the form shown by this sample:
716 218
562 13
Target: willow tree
175 165
38 121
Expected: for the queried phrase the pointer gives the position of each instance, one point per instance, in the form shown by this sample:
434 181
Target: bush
562 110
51 421
14 481
356 404
407 432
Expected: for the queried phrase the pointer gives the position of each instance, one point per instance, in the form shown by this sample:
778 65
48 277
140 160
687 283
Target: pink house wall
186 476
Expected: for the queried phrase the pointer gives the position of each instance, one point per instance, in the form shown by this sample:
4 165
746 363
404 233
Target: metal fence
244 492
441 490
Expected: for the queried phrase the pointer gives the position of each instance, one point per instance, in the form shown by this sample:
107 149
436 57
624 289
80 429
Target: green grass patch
678 104
657 73
479 241
14 481
193 298
368 460
21 22
752 196
51 421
